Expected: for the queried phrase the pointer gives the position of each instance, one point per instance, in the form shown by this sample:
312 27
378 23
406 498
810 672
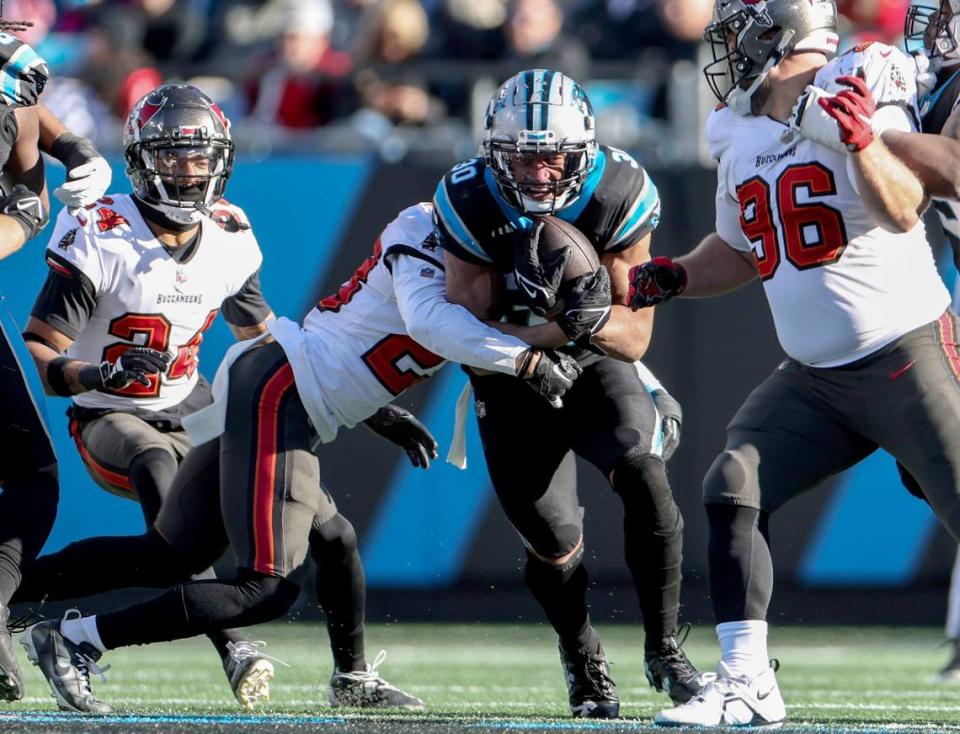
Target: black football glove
538 276
402 428
553 374
655 282
26 207
587 302
672 415
134 365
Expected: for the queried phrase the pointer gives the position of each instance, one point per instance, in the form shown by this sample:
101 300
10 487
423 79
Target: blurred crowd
370 67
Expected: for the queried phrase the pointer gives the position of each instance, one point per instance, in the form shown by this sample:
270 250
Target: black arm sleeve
66 301
247 306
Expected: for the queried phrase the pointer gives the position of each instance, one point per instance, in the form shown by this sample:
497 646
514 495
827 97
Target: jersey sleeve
247 307
453 232
444 328
73 251
66 301
638 214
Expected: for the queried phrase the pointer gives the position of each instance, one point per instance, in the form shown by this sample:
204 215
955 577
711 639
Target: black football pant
28 465
609 419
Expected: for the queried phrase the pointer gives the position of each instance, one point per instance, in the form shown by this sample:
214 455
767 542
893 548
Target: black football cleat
368 689
11 677
591 690
669 670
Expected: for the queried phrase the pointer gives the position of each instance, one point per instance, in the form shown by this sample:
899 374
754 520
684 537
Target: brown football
557 234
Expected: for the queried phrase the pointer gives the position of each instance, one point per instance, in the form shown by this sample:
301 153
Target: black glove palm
553 375
134 365
402 428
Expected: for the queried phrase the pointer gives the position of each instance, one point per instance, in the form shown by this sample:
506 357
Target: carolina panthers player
134 282
350 358
541 156
812 201
28 466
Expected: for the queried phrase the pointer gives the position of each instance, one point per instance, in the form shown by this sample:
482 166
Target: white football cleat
732 701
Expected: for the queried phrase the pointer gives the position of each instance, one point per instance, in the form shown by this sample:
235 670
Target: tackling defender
828 218
541 157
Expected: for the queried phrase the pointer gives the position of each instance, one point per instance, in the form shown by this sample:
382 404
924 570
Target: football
556 235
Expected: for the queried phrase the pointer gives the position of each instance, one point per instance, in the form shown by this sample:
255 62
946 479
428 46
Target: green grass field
485 677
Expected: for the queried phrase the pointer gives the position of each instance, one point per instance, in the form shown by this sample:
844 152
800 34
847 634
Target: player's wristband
73 150
56 378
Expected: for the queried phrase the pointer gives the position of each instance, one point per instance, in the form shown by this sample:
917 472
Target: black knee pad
640 479
538 570
336 537
732 475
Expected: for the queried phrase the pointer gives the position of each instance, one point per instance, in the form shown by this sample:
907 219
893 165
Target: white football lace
240 651
370 675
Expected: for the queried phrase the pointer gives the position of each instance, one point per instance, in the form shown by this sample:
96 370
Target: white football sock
743 648
82 629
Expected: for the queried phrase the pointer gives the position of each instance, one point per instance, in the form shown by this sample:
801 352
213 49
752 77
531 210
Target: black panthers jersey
935 110
616 208
8 133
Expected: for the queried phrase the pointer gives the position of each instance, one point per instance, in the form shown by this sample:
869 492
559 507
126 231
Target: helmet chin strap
176 219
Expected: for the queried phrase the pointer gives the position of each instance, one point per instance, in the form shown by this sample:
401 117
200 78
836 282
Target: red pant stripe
265 467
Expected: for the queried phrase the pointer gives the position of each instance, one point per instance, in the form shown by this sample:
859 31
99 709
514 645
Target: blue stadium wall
435 542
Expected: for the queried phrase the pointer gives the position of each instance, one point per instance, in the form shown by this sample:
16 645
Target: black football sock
741 568
341 589
562 592
653 542
28 507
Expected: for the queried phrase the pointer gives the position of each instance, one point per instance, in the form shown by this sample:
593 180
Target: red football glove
655 282
852 109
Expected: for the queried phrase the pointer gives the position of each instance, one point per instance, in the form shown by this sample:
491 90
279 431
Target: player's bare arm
64 376
934 159
712 268
627 334
891 191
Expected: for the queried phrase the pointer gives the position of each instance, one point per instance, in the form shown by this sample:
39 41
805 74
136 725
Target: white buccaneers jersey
381 331
839 286
144 297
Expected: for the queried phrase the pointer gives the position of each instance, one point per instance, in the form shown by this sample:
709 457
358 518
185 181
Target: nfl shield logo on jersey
181 280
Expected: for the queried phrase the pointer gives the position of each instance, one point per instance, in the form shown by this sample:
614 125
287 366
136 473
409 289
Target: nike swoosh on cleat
897 374
761 696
